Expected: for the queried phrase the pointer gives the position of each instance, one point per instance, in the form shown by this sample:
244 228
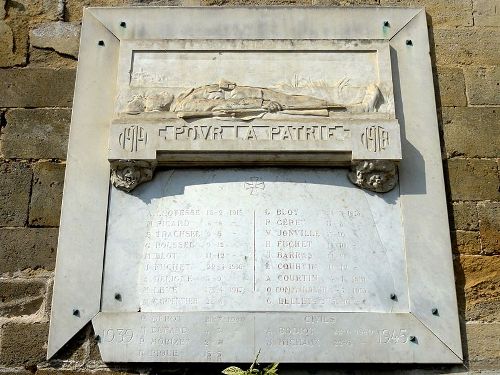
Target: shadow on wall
458 270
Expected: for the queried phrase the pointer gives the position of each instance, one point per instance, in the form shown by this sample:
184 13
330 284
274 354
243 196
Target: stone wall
38 50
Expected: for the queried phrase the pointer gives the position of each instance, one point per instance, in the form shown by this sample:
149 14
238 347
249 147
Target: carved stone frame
77 292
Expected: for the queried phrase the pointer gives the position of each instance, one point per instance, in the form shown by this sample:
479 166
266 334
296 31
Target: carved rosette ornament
379 176
128 174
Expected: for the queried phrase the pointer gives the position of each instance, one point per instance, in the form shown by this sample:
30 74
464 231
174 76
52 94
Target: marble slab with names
261 187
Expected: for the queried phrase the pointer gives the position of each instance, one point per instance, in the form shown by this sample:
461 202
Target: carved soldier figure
228 99
229 96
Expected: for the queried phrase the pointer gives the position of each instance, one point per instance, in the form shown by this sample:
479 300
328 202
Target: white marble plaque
256 179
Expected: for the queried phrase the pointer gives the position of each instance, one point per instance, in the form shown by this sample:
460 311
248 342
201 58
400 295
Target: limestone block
451 86
471 45
483 346
21 297
6 40
36 133
74 8
46 196
343 2
40 10
27 248
46 58
36 87
466 242
486 12
449 13
9 56
63 37
14 52
464 216
2 9
51 371
489 226
23 344
270 2
479 279
473 179
15 182
471 132
483 84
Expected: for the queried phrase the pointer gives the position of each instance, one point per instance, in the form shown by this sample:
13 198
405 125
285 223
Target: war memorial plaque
256 179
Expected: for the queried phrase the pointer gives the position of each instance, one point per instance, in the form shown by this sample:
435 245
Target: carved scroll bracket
128 174
379 176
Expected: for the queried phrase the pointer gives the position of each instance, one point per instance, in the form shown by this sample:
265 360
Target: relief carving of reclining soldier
227 99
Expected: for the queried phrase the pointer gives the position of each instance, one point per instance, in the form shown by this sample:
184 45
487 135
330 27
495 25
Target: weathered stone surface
41 10
489 226
6 45
52 371
264 2
471 132
442 13
2 9
473 179
27 248
464 216
76 349
46 194
451 86
63 37
36 133
16 371
12 45
36 87
483 346
23 14
44 58
74 8
483 84
466 242
15 182
466 46
16 53
486 12
344 2
21 297
23 344
478 277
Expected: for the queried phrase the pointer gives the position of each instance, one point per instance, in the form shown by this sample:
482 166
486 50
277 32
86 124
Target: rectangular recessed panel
256 240
290 69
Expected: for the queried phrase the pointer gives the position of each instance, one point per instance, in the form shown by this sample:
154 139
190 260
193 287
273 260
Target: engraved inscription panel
254 240
237 337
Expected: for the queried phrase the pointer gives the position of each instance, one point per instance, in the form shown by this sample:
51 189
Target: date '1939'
118 335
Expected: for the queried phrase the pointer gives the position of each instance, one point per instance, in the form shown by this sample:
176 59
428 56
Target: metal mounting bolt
76 312
413 339
118 296
435 311
387 24
409 42
123 24
100 43
394 297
